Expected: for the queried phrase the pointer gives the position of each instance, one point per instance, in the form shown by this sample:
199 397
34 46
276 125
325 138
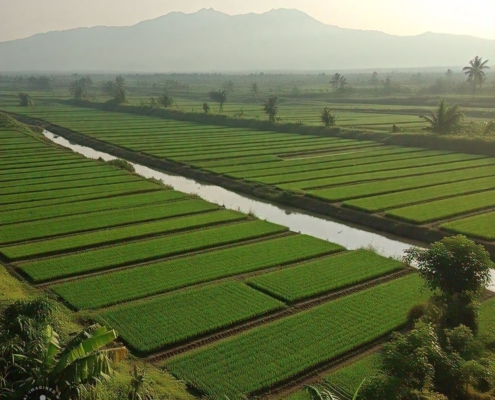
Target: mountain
209 40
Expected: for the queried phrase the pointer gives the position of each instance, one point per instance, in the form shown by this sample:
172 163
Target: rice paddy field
168 271
430 188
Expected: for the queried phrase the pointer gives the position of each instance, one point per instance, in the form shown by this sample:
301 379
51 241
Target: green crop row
83 169
405 164
81 223
129 284
482 226
347 158
63 196
393 185
63 180
145 250
28 168
20 190
323 184
324 275
271 353
441 209
152 324
90 206
113 235
397 199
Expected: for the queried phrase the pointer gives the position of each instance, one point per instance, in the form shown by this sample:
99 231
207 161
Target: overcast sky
22 18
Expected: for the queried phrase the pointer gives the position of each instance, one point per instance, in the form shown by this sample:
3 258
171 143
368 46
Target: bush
415 313
122 164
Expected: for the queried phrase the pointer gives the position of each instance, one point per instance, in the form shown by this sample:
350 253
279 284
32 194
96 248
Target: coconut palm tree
475 72
445 120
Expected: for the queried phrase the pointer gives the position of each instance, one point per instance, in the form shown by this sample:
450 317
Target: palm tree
475 72
325 393
445 120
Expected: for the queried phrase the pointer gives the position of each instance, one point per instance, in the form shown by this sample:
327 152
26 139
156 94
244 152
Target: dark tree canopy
327 117
219 96
270 108
455 265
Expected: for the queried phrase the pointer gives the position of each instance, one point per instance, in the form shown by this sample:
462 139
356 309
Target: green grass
481 226
65 195
129 284
316 173
278 351
392 185
113 235
397 199
324 275
149 325
43 229
350 377
145 250
90 206
20 190
441 209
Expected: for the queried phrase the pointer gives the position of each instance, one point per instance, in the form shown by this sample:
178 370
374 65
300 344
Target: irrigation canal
345 234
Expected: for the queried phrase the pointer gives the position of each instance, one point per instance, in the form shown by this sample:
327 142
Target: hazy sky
22 18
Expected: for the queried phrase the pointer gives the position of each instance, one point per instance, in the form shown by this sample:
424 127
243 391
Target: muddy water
347 235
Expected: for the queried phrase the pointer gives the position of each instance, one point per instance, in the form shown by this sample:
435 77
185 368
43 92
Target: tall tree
476 72
165 100
254 90
228 86
374 78
79 87
219 96
338 81
445 120
116 89
327 117
270 108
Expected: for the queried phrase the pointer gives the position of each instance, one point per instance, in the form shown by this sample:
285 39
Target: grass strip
324 275
81 223
168 275
441 209
149 325
278 351
113 235
481 226
145 250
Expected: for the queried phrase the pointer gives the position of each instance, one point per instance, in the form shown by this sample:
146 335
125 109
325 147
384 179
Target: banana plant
84 360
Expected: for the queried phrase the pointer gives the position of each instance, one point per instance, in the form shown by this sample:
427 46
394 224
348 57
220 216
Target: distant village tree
327 117
254 90
374 79
116 89
165 100
219 96
270 108
79 87
206 108
338 81
25 100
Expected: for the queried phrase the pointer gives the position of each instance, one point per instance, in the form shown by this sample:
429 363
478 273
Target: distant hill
209 40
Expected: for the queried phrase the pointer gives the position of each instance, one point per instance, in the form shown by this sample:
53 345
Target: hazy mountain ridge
212 41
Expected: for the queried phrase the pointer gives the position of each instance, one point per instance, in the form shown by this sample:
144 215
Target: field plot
168 271
189 314
145 250
482 226
173 274
396 182
324 275
272 353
